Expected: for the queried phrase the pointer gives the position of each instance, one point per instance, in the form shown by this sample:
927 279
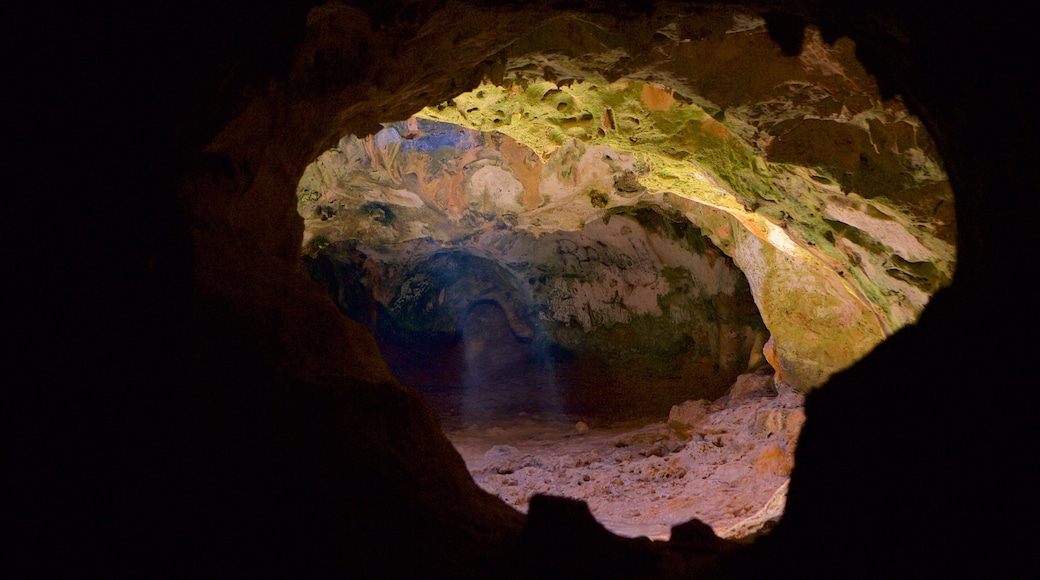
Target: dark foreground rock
170 410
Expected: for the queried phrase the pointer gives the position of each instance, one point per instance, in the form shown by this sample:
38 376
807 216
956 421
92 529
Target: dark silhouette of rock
169 409
563 539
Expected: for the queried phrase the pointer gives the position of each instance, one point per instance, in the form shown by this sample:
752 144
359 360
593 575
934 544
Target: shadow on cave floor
488 377
603 435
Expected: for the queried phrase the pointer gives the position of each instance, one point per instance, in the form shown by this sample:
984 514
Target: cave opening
190 401
601 332
620 291
562 321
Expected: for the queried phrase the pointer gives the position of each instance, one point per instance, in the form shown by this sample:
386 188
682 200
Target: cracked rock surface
726 463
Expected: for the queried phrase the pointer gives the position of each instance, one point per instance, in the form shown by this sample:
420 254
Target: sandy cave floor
726 463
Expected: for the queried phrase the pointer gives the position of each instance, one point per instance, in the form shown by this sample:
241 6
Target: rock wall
880 256
146 428
424 220
833 270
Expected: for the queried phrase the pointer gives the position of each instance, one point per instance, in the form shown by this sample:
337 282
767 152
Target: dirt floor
725 462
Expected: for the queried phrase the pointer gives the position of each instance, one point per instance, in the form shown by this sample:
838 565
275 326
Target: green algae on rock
830 200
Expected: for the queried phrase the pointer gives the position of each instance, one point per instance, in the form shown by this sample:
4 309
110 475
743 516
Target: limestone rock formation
175 402
725 463
414 227
831 199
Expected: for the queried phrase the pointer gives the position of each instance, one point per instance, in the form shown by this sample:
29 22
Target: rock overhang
931 53
421 237
831 199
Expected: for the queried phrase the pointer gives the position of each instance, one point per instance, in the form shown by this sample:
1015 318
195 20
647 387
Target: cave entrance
614 323
619 291
587 348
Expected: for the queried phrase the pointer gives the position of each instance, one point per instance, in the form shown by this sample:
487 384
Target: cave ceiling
831 200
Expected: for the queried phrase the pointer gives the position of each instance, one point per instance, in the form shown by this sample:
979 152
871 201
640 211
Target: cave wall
842 187
154 421
415 225
752 162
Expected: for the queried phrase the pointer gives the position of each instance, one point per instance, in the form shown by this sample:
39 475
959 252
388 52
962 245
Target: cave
583 295
548 262
189 401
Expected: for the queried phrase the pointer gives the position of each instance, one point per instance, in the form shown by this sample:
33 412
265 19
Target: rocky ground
726 463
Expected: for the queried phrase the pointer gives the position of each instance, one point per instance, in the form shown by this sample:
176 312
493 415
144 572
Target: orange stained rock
455 195
416 165
751 226
657 98
527 167
772 357
369 143
383 158
793 424
723 233
413 127
712 127
772 461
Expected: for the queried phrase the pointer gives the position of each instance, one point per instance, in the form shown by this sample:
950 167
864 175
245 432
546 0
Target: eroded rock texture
831 199
414 227
725 463
171 407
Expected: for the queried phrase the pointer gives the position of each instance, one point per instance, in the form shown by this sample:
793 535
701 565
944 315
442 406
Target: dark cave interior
465 347
170 412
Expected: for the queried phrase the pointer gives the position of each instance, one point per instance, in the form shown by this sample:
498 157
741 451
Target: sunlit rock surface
661 214
835 261
725 462
165 416
417 225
